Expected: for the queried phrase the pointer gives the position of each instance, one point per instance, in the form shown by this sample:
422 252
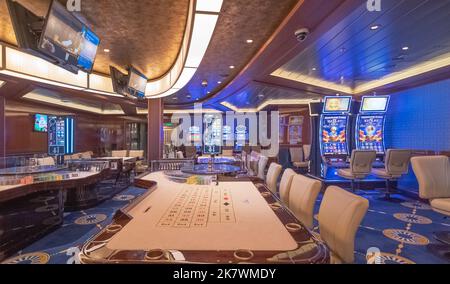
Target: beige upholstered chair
139 154
297 158
285 185
433 174
48 161
302 198
86 155
396 165
191 152
272 176
253 163
360 166
119 153
340 216
262 164
256 149
306 152
180 155
227 152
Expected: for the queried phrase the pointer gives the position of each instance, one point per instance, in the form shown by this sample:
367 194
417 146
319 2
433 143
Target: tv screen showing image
68 40
337 104
137 83
40 123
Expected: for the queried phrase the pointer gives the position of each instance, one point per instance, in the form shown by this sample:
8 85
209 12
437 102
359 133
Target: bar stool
396 165
360 166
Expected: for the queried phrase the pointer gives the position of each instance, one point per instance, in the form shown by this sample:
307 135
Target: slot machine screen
370 133
40 122
334 135
195 136
374 104
337 104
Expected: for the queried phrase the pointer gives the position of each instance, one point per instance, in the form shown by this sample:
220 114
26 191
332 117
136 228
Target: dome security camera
301 34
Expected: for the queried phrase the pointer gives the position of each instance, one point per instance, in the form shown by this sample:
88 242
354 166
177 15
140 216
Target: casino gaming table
236 221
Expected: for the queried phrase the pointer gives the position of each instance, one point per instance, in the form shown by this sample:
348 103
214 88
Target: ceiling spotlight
314 69
208 92
205 83
188 96
175 98
219 82
405 48
249 40
106 50
374 27
232 66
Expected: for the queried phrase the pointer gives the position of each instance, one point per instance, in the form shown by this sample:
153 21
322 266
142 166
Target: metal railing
170 164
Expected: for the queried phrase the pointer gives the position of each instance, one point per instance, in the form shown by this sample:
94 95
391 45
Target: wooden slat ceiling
351 53
146 33
239 20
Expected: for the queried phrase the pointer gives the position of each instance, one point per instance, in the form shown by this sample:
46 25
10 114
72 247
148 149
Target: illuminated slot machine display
370 125
60 135
195 135
241 137
334 135
227 135
212 134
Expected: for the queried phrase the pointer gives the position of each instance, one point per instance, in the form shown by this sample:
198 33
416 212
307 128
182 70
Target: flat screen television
40 123
375 104
119 81
137 83
67 40
337 104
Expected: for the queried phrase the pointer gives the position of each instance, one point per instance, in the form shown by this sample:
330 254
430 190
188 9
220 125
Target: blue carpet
407 243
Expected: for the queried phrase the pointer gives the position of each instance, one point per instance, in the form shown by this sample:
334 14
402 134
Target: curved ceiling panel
146 33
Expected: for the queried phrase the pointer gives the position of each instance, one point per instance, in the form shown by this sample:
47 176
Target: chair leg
388 190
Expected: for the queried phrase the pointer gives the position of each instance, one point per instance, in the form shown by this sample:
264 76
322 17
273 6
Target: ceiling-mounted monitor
119 81
137 83
67 40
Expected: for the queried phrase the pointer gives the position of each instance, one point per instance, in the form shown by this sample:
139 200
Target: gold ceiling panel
146 33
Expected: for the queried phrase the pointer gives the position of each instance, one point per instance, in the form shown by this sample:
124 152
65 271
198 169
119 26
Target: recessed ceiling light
175 98
249 40
314 69
106 50
219 82
375 27
209 92
405 48
232 66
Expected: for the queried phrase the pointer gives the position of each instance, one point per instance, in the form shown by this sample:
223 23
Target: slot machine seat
297 158
433 175
396 165
360 166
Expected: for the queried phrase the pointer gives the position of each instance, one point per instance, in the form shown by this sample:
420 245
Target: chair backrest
262 164
306 152
256 149
302 198
361 161
296 154
180 155
86 155
136 154
119 153
272 176
433 175
227 152
397 162
191 151
285 185
340 216
48 161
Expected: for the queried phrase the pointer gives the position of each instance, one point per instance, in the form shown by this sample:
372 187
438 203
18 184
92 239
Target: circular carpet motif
388 258
406 237
91 219
416 205
414 219
123 197
30 258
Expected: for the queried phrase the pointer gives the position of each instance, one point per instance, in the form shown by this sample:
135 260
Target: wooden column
2 127
155 141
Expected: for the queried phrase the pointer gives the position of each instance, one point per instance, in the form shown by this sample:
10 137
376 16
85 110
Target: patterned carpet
400 230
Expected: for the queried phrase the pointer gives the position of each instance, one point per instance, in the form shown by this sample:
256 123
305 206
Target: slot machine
369 130
241 138
212 134
60 137
334 138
